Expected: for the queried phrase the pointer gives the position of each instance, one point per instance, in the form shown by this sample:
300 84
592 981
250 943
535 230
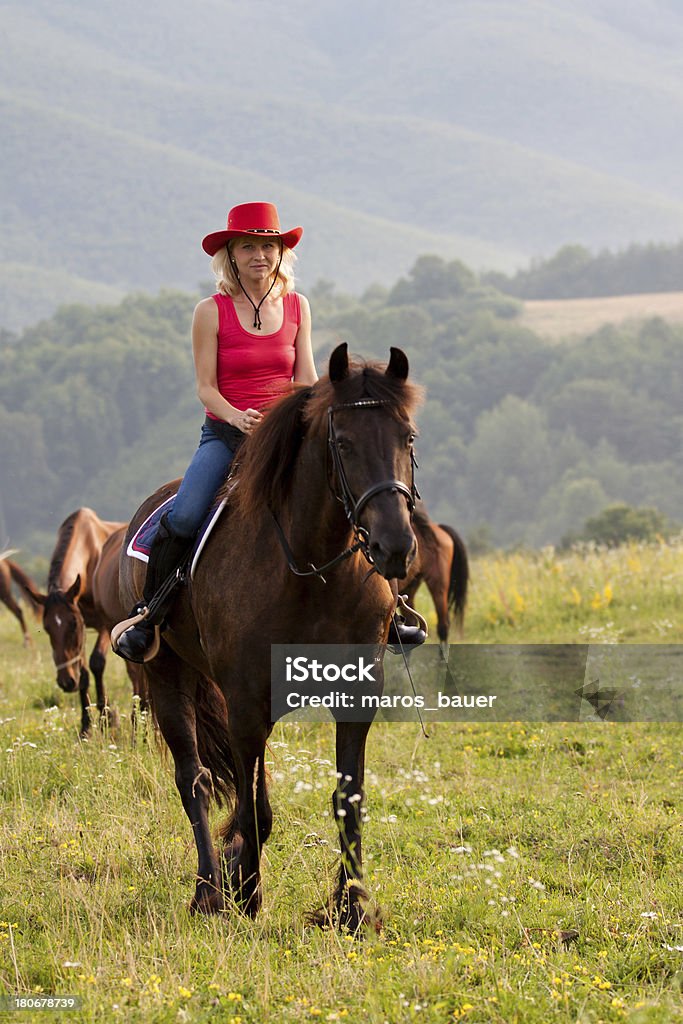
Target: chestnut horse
321 482
82 591
11 573
441 564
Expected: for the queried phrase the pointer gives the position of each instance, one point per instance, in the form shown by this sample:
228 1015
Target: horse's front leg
252 820
347 801
84 697
97 663
173 687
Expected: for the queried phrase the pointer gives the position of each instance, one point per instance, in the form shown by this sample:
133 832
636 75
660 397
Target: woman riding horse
249 340
315 528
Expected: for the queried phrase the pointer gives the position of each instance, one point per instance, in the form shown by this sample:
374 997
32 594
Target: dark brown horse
441 564
70 606
329 464
11 573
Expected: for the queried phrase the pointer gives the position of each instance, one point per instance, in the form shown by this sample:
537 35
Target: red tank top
253 369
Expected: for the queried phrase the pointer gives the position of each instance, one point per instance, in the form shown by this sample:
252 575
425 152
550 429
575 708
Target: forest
574 272
520 441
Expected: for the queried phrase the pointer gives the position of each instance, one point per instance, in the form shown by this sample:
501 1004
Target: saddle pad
141 542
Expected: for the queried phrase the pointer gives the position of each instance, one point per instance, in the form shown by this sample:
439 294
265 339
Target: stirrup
403 636
140 613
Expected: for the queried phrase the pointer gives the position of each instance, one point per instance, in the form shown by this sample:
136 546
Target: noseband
342 492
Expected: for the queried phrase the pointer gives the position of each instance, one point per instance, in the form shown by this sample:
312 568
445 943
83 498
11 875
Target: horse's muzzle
70 683
66 682
393 560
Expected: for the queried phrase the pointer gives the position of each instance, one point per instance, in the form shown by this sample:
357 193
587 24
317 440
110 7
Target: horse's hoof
321 918
353 918
207 902
247 899
359 921
109 719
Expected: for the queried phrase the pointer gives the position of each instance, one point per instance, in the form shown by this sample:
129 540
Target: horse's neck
76 555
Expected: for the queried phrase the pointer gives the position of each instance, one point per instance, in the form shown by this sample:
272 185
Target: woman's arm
304 365
205 352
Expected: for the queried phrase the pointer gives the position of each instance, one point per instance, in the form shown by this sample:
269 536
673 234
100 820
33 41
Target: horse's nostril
67 684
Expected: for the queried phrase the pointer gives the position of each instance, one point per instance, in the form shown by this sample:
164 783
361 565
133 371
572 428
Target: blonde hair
226 279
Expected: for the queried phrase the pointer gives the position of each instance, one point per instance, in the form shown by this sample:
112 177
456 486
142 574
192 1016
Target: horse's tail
26 584
212 740
460 575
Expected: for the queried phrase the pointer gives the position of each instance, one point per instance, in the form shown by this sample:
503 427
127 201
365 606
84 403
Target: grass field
558 319
527 872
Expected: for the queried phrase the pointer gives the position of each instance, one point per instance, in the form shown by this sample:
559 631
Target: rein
72 661
352 506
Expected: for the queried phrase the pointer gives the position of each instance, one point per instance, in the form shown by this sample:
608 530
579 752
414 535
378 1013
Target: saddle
141 542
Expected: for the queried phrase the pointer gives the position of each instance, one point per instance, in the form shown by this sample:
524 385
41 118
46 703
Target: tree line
574 273
519 441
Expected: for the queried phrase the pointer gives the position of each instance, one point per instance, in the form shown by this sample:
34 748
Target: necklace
257 308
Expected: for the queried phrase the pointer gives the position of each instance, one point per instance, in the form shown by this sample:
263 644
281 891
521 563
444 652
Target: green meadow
526 872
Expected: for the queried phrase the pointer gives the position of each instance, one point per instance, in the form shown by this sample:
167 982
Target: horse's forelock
365 380
56 597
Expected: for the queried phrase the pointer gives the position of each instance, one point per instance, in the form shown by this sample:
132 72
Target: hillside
489 131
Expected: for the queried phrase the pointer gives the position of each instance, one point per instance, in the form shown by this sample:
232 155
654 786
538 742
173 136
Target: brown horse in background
82 591
10 573
109 610
441 564
324 479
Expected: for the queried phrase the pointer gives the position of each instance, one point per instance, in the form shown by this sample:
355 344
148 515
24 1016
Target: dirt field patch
563 319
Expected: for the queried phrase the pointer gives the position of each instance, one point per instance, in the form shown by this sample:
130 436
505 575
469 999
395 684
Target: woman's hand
247 419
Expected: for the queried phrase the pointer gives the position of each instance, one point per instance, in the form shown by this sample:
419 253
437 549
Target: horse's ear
398 364
339 363
74 590
37 596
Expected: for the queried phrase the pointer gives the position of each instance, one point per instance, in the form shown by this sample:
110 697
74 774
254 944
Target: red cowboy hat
251 219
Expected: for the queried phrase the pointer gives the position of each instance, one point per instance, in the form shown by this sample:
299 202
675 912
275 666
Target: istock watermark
479 682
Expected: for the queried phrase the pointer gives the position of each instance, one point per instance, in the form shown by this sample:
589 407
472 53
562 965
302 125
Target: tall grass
527 873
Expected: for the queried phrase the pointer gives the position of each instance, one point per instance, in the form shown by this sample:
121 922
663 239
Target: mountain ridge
495 132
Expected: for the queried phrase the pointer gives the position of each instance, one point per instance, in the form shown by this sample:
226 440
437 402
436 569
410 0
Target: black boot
168 554
403 637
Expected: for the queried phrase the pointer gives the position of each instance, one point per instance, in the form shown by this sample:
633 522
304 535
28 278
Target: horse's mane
66 532
268 456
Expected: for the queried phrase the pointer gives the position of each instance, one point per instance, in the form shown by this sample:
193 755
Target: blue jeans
205 474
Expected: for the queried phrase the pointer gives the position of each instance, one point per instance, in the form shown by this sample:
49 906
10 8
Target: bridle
82 651
72 661
353 507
